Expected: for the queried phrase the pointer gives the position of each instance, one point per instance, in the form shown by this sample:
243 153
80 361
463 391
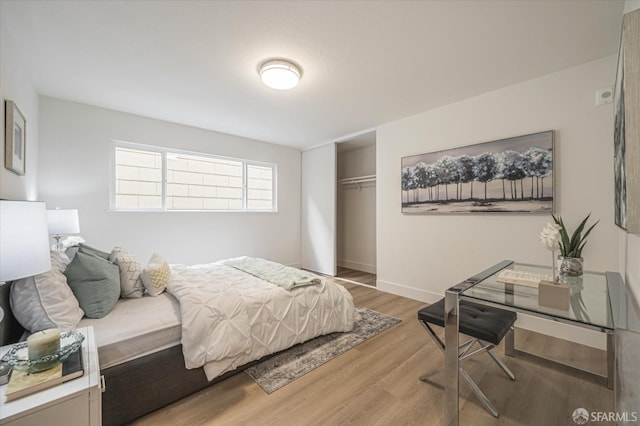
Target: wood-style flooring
376 383
356 276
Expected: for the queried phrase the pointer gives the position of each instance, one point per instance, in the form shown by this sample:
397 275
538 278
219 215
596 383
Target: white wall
420 256
631 5
630 243
632 267
74 173
357 211
16 85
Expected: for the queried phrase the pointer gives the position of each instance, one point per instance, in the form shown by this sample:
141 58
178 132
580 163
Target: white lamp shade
63 222
279 74
24 240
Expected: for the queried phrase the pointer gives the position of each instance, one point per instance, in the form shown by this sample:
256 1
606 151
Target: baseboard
409 292
358 266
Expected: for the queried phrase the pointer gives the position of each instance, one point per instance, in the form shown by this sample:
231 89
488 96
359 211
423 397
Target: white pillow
45 300
156 275
130 283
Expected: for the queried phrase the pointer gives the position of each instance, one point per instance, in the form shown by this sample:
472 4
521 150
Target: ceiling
364 63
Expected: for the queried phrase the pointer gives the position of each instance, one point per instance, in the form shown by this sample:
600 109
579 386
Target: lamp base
58 245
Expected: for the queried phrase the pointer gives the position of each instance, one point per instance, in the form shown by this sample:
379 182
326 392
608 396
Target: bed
144 343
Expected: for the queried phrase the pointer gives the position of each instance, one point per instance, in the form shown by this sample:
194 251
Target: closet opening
356 210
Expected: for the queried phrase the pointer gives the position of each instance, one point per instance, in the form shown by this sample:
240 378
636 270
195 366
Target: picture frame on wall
619 146
626 142
15 139
513 175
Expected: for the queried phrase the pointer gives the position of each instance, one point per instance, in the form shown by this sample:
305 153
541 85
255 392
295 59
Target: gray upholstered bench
485 325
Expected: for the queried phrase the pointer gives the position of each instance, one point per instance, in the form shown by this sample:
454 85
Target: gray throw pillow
95 282
94 251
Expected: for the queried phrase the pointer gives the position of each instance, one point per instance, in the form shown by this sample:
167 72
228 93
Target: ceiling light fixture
280 74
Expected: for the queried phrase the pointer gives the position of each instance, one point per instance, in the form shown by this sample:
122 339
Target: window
138 179
152 178
259 187
204 183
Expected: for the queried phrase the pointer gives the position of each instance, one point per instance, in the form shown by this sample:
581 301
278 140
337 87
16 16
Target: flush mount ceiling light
280 74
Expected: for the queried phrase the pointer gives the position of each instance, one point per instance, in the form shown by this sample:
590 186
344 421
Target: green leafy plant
572 247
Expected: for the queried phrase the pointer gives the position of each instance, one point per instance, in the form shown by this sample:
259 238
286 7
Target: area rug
290 364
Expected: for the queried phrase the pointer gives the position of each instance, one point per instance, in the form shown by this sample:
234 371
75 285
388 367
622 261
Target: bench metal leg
433 372
463 353
501 364
481 396
509 343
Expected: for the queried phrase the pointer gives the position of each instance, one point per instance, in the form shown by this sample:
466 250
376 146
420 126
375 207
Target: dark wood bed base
143 385
134 388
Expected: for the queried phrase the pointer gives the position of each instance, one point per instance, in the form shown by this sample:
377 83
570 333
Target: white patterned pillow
45 300
130 283
156 275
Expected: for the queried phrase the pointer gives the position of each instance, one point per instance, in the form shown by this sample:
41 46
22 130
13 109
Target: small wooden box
554 295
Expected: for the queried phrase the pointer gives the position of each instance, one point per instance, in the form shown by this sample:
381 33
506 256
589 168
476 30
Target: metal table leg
451 372
611 356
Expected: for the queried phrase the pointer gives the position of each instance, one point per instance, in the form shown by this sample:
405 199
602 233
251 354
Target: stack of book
23 383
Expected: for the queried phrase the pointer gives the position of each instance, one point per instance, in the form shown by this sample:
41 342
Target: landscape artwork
626 136
619 155
513 175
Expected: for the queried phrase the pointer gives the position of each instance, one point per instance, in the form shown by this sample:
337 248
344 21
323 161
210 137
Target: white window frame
164 151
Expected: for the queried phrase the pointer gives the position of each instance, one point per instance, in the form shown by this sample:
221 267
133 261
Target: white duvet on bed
230 318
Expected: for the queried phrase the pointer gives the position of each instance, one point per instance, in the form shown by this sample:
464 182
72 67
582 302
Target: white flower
71 240
550 236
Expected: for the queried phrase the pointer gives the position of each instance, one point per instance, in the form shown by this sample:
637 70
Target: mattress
135 328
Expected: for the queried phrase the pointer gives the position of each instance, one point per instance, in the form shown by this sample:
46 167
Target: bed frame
143 385
136 387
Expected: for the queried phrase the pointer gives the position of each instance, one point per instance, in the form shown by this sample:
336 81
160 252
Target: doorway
356 210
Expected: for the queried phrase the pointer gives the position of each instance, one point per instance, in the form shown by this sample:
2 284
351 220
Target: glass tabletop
588 297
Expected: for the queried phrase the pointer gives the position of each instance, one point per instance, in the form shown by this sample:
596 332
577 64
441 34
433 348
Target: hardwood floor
377 383
357 276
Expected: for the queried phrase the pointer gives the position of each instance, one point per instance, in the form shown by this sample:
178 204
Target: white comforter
230 318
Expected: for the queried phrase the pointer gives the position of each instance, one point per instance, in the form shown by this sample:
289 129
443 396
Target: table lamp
61 223
24 246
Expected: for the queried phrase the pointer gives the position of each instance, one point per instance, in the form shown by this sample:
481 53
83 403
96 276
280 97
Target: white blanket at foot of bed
230 318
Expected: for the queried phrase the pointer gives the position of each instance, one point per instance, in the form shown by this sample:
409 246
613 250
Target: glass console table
589 307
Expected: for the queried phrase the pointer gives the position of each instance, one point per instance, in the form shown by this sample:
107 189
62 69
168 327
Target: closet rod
358 179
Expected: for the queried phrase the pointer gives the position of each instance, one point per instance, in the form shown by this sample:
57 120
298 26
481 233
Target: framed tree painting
15 139
513 175
626 139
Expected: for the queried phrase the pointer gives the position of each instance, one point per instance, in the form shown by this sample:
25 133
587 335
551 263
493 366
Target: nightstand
76 402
